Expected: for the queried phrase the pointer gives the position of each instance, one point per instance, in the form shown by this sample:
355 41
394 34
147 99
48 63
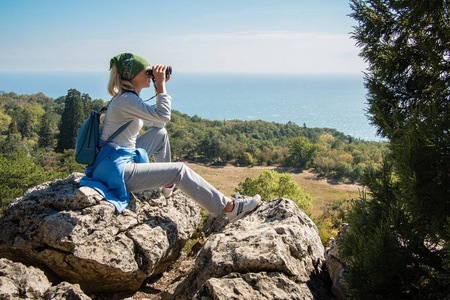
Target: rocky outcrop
273 253
20 282
74 235
84 246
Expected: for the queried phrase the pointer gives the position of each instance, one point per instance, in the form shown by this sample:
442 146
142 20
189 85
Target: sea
324 101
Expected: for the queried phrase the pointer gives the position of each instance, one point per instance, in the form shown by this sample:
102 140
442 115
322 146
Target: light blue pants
162 173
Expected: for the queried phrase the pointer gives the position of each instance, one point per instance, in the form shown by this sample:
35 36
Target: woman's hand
159 75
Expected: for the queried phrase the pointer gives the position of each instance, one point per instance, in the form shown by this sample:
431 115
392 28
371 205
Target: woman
123 165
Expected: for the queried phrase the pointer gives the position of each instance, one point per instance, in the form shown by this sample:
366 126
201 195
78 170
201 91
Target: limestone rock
74 235
273 252
214 224
264 285
64 291
18 281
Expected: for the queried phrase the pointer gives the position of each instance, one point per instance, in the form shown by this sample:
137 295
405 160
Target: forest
38 136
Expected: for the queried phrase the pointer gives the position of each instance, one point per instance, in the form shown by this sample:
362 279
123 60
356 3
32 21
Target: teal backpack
87 145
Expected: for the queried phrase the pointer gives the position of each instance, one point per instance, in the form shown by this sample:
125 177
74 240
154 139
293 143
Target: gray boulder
273 253
18 281
74 235
66 291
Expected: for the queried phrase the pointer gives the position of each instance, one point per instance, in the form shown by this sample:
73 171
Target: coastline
311 100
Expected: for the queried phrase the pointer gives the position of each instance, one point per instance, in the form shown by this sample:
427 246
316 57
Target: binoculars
168 72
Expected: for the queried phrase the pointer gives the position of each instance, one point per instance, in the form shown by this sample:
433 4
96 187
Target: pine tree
46 138
71 120
397 244
13 142
27 128
12 128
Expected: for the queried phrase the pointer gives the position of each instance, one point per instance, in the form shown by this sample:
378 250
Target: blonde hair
116 85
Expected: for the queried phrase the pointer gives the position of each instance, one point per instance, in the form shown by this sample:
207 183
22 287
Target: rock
340 286
74 235
273 253
18 281
336 265
214 224
64 291
263 285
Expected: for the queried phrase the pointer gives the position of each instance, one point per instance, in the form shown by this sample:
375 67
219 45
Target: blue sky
299 36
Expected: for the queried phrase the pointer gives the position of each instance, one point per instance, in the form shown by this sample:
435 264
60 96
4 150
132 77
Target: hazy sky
298 36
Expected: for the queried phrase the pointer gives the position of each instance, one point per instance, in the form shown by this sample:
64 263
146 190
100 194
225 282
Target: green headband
128 65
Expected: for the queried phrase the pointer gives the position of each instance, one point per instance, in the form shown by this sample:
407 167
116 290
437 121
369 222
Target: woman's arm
131 105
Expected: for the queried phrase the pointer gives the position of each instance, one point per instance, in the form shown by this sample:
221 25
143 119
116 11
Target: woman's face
142 80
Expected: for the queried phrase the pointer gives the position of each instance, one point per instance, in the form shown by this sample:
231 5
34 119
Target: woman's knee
152 133
183 170
161 132
181 167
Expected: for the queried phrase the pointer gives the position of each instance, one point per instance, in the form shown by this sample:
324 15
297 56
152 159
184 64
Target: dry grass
323 191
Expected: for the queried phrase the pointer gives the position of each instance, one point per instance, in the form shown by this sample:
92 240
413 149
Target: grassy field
227 178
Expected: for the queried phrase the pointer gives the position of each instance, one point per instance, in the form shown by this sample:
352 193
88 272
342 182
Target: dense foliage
398 240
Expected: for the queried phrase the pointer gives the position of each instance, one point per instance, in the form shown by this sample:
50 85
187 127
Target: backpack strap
116 133
103 109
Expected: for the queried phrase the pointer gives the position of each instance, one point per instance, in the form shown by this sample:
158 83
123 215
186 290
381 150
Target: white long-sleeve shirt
129 106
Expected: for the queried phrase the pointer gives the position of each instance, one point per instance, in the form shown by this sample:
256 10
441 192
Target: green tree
46 138
90 105
72 118
97 104
12 128
397 244
19 173
5 120
13 141
27 127
209 146
302 152
245 159
270 185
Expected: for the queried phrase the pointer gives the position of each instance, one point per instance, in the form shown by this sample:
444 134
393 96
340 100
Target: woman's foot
242 205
